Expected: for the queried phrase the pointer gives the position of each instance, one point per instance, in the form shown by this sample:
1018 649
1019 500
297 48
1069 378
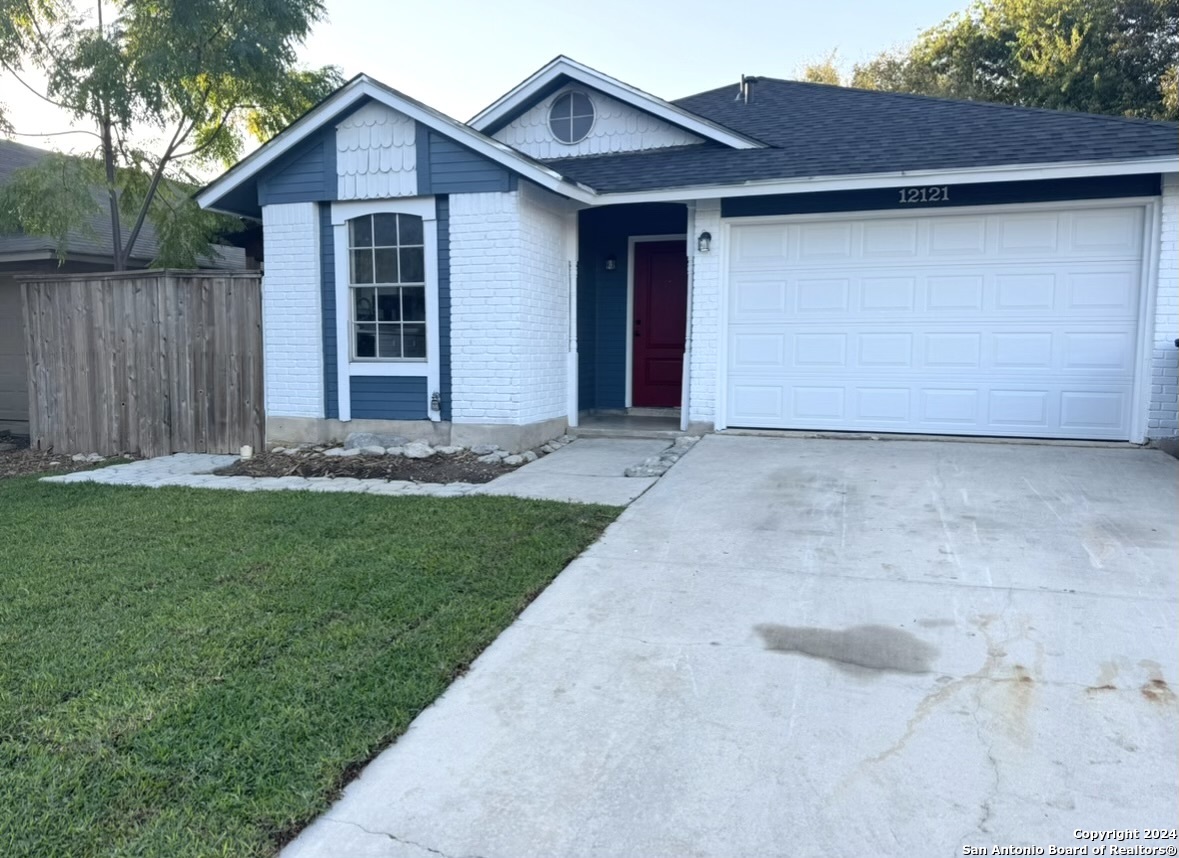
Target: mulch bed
459 468
18 460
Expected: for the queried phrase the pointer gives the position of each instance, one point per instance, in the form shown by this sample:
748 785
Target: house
768 254
87 250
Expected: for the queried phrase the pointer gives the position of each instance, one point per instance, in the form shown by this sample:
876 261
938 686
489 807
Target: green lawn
188 672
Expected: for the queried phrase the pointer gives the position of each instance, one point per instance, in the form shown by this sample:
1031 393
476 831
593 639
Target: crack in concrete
396 839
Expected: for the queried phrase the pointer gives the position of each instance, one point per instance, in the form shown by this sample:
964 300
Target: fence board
145 362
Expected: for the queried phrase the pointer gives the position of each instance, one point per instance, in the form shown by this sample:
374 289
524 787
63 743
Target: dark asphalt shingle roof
820 130
14 156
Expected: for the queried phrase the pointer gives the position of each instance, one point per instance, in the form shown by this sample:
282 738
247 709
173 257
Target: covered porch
633 318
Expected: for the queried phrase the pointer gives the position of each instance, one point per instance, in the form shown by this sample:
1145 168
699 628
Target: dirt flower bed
18 460
439 468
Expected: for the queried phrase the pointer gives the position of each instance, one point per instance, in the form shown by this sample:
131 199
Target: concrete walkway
585 471
817 648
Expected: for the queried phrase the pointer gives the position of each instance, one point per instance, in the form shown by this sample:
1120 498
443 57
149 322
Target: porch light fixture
611 263
704 242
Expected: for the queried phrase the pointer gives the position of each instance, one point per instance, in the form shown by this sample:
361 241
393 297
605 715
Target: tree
166 88
1099 56
825 70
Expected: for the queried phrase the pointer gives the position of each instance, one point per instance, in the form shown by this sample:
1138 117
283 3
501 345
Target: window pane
413 303
414 341
580 127
388 305
562 107
363 302
412 264
366 341
581 105
385 230
386 265
362 266
390 337
411 229
362 231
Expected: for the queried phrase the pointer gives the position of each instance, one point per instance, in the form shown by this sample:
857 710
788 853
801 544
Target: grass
188 672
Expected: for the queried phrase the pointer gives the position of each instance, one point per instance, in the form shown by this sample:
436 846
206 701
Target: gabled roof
93 242
817 130
563 70
359 90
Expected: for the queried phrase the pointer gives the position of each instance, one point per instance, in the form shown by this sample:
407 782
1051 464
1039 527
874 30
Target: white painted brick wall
484 308
706 290
545 307
291 312
1163 420
508 323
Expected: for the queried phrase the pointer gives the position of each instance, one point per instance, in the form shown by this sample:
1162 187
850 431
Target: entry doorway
658 320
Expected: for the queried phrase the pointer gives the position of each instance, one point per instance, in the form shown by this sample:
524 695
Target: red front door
660 316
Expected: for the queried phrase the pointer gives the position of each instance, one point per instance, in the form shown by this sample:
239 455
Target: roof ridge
1135 120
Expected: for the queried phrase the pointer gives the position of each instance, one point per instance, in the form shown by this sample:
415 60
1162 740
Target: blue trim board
442 212
327 297
910 198
389 397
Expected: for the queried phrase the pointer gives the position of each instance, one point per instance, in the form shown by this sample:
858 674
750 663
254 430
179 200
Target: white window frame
346 365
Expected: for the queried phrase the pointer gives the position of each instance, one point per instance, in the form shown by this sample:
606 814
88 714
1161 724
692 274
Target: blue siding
421 144
306 174
327 291
455 169
442 204
389 397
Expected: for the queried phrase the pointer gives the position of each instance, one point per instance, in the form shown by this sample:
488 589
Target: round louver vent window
571 117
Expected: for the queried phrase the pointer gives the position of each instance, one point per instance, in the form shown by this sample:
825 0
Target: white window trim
346 366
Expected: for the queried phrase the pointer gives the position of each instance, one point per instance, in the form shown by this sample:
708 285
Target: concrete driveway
818 648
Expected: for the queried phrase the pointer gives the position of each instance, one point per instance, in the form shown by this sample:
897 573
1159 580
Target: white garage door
1020 323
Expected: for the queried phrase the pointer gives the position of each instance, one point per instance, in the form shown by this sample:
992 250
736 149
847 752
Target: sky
458 56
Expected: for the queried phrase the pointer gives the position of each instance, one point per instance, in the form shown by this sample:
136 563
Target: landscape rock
489 459
372 450
645 470
418 450
484 449
449 450
514 460
341 451
374 439
529 456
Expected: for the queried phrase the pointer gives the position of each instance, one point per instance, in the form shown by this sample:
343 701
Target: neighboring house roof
787 136
562 70
822 130
95 243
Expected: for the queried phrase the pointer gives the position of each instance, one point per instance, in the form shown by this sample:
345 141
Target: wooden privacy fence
149 362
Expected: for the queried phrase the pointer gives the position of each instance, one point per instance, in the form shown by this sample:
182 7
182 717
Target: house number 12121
936 194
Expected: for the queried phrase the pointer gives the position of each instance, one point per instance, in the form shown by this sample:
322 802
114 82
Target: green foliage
198 77
55 198
193 672
825 70
1098 56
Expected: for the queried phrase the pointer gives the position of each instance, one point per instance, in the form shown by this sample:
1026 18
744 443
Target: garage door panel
989 335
